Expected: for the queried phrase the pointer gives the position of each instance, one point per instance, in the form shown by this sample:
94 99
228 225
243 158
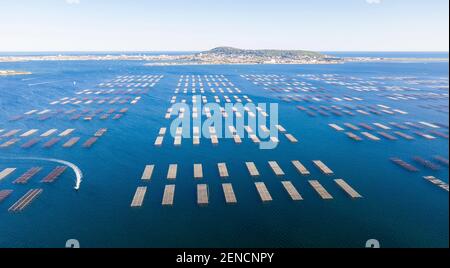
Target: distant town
216 56
229 55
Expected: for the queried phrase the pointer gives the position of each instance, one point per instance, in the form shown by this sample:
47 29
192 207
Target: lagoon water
400 209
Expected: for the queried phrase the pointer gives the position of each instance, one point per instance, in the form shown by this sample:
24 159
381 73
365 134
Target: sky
196 25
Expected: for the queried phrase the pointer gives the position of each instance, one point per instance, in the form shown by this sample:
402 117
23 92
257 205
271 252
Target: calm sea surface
400 209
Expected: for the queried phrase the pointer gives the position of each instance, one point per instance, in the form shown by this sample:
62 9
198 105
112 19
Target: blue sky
167 25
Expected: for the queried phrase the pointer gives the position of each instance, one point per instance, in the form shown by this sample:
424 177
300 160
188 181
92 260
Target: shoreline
238 64
13 72
180 60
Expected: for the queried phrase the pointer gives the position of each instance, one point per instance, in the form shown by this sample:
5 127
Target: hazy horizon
197 51
154 25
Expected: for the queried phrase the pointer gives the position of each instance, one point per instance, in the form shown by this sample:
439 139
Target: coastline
238 64
12 72
190 60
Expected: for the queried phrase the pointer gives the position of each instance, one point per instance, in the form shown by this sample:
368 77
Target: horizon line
144 51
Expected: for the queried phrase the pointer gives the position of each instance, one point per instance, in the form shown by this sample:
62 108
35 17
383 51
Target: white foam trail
44 83
76 169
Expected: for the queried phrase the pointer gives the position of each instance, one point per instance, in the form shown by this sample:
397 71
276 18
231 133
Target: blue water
399 209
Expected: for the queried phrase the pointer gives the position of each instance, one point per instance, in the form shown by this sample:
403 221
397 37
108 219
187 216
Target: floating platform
324 168
291 138
223 170
263 192
148 172
347 188
439 134
104 117
138 198
71 142
11 133
426 163
169 194
300 167
24 178
429 125
274 139
9 143
198 171
162 131
29 133
196 140
320 189
232 130
6 172
52 176
363 112
100 132
437 182
237 139
90 142
44 112
172 172
196 131
381 126
351 126
404 165
281 128
425 135
159 141
177 141
252 169
214 140
117 116
397 125
336 127
66 132
370 136
4 194
25 200
387 136
51 142
292 191
366 126
403 135
353 136
31 112
228 191
202 194
276 168
254 138
30 143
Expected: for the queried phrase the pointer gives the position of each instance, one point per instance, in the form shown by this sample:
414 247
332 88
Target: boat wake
76 169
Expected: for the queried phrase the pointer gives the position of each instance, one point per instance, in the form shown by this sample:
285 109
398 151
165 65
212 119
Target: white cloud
373 2
73 2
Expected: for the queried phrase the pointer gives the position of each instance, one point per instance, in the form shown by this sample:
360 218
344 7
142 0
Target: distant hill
231 51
